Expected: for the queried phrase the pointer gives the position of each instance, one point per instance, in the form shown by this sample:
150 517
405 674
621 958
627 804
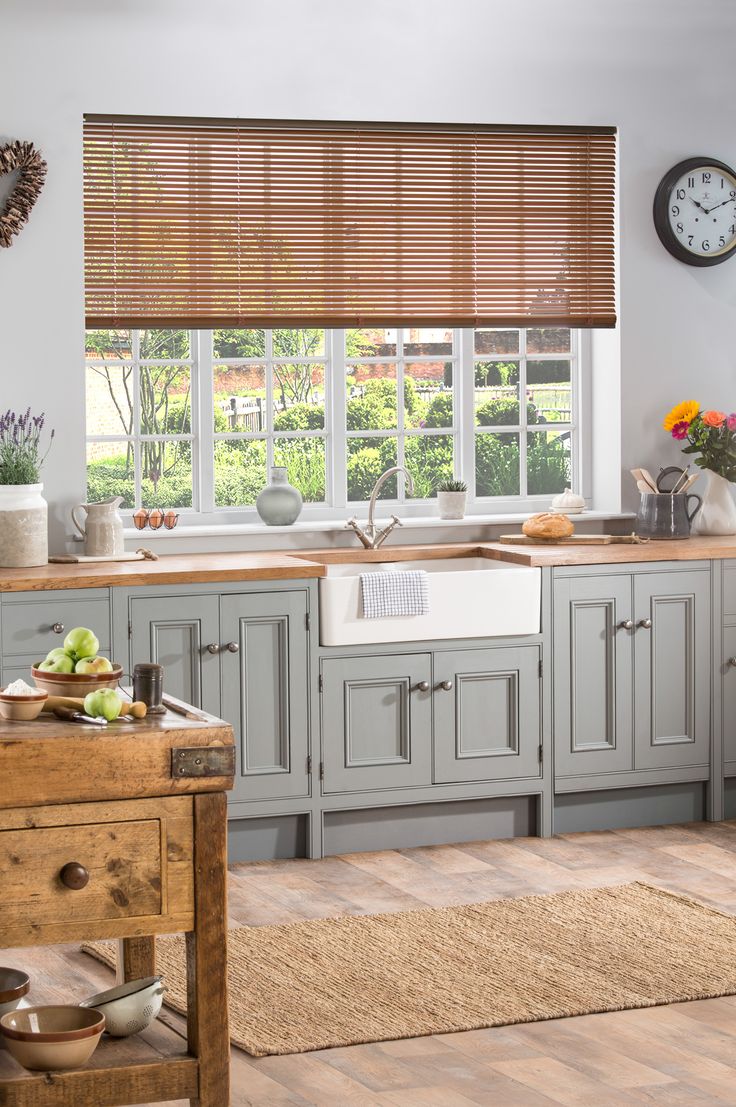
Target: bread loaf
548 525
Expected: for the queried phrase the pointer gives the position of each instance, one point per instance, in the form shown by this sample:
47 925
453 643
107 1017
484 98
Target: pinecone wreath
17 208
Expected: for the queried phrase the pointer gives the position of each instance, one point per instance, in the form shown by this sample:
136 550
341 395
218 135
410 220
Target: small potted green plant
451 497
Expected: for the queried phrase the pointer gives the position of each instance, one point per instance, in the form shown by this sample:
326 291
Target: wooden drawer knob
74 876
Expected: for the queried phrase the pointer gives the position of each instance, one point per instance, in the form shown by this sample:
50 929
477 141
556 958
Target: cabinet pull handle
74 876
626 624
421 686
732 662
445 685
214 647
645 624
58 628
232 647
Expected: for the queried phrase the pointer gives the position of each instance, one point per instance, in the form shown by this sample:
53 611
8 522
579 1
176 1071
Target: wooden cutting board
574 540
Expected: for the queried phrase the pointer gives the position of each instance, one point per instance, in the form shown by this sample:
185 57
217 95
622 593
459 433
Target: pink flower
680 430
731 422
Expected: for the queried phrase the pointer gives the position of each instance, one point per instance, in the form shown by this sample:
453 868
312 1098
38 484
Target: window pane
367 458
496 393
548 388
165 400
370 343
240 472
427 341
109 344
304 459
238 343
548 340
371 397
303 342
488 341
549 468
110 472
428 394
299 396
497 465
171 345
109 399
429 460
166 474
240 398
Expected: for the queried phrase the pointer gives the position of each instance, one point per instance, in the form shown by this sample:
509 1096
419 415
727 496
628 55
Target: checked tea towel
394 593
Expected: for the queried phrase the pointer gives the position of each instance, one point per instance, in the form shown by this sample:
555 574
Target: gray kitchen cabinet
377 722
593 680
729 698
176 631
264 664
672 669
487 714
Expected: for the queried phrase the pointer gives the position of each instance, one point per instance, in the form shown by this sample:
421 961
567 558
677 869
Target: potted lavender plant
23 510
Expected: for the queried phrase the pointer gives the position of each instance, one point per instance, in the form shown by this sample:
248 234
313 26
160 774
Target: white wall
659 69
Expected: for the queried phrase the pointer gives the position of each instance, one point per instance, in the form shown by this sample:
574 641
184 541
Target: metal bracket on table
198 761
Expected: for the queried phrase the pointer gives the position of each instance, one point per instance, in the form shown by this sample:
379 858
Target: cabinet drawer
136 872
28 628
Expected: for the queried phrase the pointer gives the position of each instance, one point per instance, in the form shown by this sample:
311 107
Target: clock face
695 211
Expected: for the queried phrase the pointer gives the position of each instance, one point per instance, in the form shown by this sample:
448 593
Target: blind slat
261 224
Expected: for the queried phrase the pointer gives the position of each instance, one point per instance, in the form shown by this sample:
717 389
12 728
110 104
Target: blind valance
275 224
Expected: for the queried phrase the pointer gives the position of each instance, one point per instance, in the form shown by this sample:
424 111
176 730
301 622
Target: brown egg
140 518
155 519
170 520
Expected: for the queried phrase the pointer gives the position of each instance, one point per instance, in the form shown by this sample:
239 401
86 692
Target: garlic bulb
569 502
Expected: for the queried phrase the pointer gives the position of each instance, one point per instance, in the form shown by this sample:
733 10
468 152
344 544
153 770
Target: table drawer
120 871
28 628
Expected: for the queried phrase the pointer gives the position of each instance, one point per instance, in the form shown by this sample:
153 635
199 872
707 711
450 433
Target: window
193 420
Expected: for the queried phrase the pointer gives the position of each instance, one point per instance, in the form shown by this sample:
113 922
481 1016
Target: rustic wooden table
139 809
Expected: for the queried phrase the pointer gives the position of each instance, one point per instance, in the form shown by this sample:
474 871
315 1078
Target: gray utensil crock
662 515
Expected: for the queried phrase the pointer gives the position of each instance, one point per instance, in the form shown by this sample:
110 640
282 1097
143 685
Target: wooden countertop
310 564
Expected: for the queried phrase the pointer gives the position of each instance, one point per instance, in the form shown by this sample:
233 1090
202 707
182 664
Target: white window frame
337 507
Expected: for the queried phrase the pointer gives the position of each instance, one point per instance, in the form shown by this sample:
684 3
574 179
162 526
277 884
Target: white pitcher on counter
103 528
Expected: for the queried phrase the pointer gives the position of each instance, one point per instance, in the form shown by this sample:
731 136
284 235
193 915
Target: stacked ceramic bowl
52 1038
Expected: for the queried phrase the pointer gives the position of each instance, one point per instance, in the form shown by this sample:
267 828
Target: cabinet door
265 692
593 692
672 669
729 698
376 722
487 723
175 631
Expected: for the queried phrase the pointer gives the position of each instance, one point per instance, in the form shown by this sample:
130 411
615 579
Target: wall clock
695 211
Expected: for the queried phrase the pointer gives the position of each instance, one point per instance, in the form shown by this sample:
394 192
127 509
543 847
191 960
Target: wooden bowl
75 684
52 1038
23 709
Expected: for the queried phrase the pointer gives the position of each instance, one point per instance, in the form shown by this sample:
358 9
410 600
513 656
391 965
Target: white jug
103 528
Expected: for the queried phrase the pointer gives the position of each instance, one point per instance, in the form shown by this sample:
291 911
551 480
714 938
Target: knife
72 716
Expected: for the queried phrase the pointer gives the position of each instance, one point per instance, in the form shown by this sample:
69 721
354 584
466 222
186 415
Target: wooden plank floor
683 1054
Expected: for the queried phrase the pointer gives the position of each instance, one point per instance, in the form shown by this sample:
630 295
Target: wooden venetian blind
239 224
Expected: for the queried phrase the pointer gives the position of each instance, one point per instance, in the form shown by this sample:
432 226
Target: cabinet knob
232 647
58 628
214 647
445 685
732 662
74 876
421 686
626 624
645 624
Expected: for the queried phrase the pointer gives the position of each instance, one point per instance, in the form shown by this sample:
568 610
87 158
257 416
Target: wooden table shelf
66 791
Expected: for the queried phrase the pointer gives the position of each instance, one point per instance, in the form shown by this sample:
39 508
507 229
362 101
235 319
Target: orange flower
713 418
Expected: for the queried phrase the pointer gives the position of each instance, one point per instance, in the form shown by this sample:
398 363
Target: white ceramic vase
24 536
718 513
279 504
451 505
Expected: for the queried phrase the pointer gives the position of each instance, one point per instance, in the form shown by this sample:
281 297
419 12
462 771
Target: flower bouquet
711 436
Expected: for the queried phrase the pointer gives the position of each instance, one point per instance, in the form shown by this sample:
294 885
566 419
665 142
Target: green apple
81 642
93 665
58 652
61 664
105 702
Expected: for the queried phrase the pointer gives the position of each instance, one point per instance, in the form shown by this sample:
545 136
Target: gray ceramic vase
279 504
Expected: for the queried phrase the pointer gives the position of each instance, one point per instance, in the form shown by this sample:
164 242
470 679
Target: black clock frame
661 207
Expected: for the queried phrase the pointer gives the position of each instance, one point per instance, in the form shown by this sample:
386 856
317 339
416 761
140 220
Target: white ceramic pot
24 537
279 504
451 505
718 513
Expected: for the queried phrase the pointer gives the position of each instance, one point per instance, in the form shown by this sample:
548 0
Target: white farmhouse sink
469 597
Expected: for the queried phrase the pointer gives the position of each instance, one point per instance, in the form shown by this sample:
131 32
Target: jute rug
341 981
